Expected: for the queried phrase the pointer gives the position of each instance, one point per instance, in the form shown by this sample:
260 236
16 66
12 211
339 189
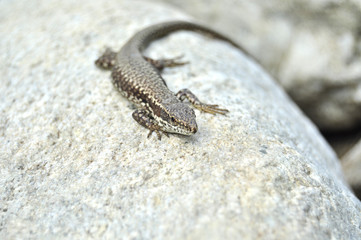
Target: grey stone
74 164
312 47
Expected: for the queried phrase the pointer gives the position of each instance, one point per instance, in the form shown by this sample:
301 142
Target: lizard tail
142 39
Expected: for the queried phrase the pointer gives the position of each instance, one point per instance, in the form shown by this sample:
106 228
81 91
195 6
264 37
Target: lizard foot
160 64
144 118
158 132
208 108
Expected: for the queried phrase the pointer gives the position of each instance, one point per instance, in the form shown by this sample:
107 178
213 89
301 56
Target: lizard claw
208 108
172 62
158 132
213 109
160 64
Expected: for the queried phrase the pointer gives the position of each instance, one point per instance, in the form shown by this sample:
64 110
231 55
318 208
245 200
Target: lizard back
138 79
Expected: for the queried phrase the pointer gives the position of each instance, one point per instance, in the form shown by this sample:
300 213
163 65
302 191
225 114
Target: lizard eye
172 119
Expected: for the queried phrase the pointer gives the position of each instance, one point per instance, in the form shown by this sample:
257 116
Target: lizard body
138 78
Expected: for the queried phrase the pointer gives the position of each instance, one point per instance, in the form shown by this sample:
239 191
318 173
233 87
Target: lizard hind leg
143 117
107 59
160 64
209 108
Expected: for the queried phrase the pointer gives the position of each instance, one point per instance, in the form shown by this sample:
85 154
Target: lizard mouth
182 129
188 130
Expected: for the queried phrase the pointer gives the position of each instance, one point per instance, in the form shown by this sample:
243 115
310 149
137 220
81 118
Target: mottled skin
138 78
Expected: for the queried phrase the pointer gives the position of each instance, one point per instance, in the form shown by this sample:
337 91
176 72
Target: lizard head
178 118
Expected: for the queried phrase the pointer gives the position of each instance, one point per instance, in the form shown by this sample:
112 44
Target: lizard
139 79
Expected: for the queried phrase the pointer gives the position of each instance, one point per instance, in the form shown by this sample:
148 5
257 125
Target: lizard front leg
209 108
144 118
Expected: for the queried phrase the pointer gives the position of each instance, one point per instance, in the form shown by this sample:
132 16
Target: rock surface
312 47
74 164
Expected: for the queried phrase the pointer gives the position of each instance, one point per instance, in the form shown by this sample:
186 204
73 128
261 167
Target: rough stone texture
312 47
74 164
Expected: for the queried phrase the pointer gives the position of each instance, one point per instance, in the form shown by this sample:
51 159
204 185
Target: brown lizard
138 78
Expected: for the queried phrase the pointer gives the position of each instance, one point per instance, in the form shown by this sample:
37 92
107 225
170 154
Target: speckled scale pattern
140 81
133 78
